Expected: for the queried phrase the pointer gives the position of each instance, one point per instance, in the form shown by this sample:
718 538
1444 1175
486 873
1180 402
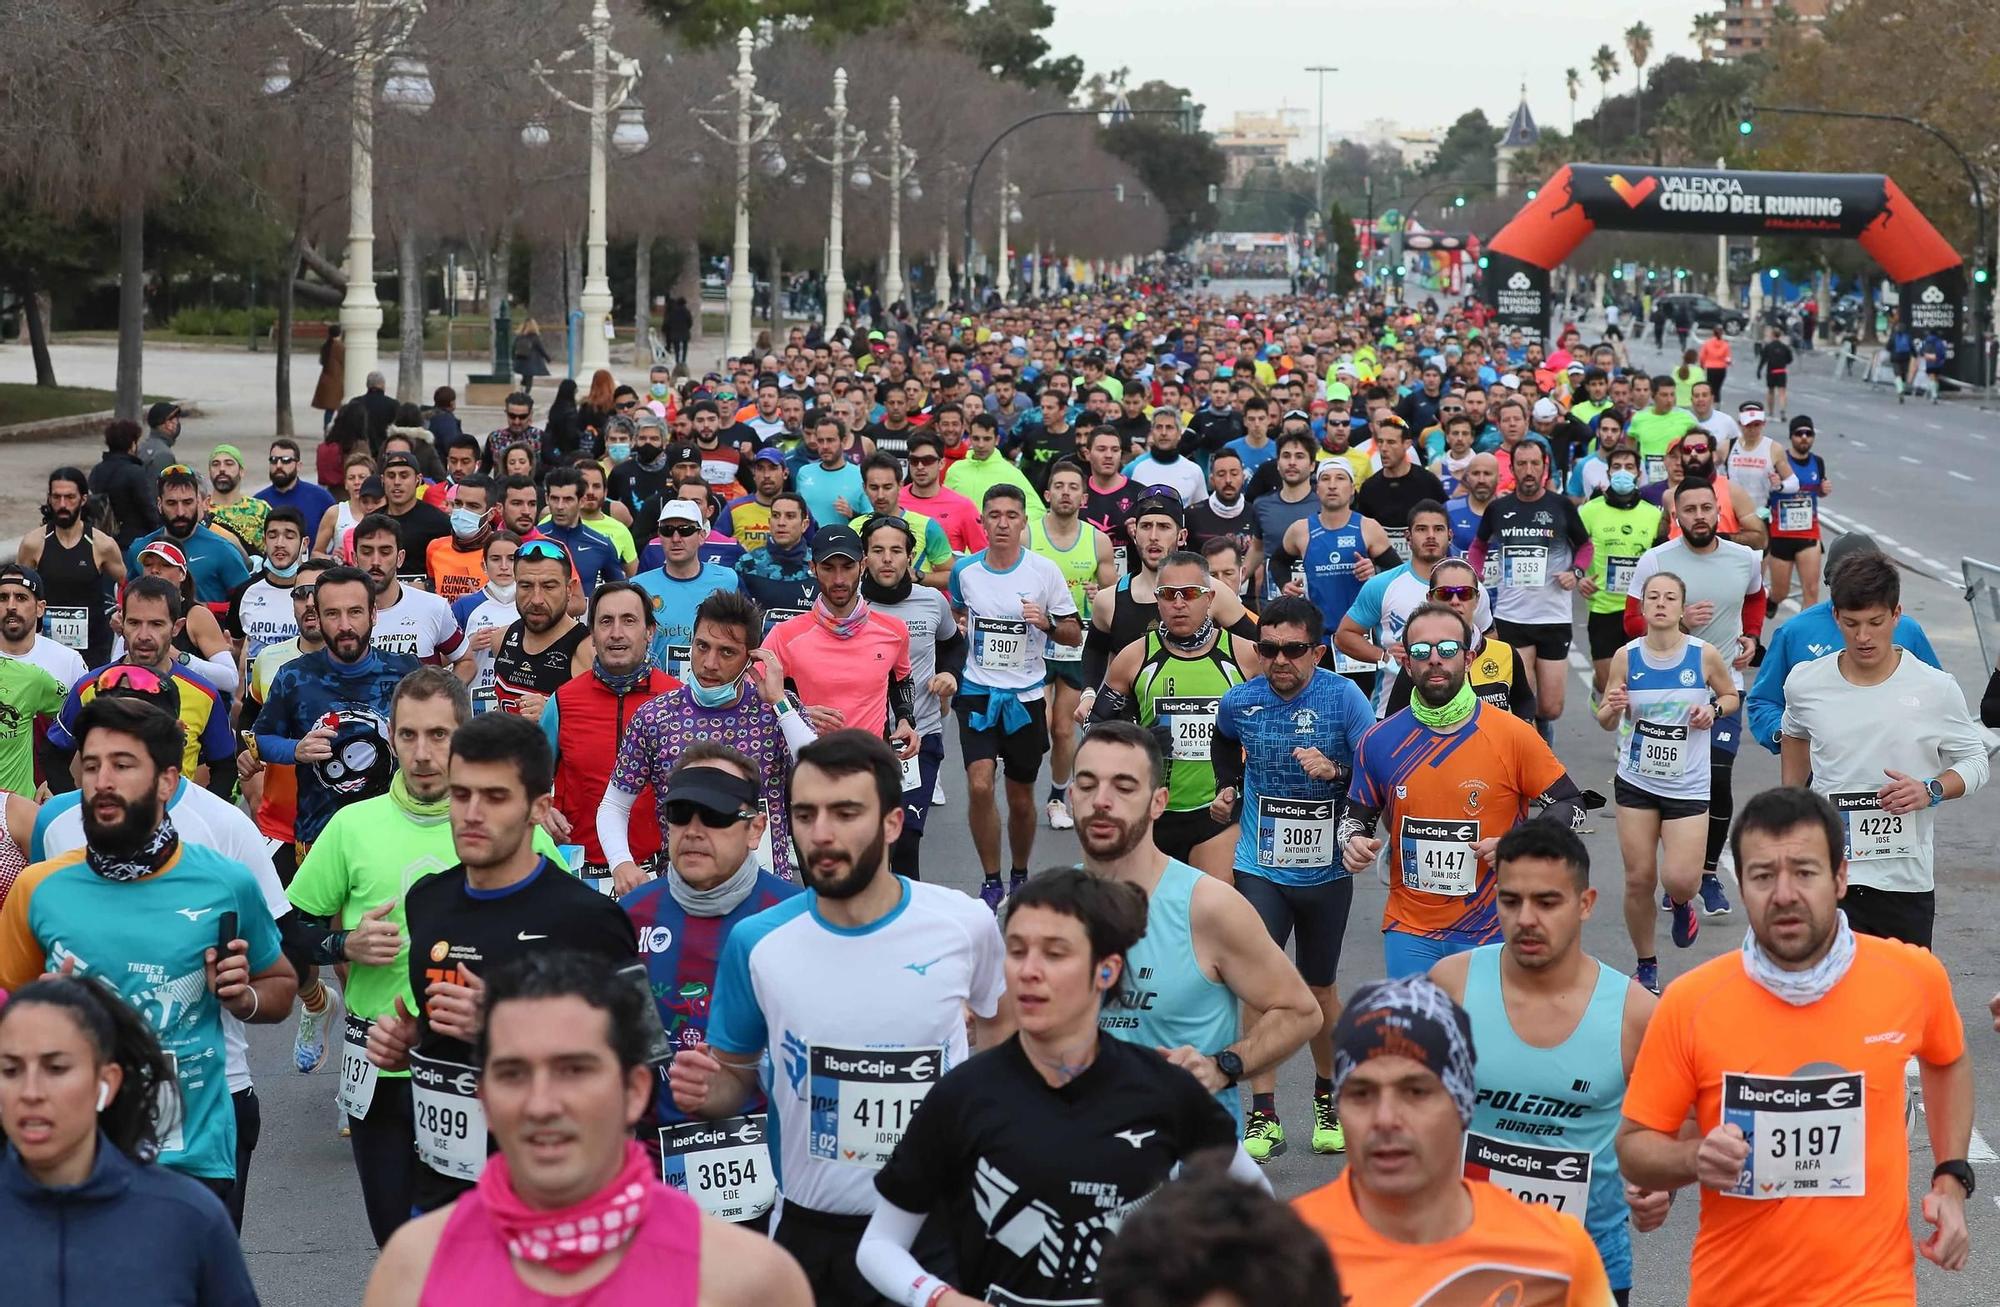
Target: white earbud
103 1095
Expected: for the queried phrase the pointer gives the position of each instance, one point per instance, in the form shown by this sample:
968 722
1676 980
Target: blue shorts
1727 734
1404 954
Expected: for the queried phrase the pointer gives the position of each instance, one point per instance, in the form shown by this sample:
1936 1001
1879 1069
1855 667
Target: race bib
1796 513
913 775
1808 1135
1618 573
1655 469
168 1110
676 659
1873 833
1659 751
1192 723
1000 644
1526 566
450 1121
1399 540
1118 557
1062 653
1559 1177
357 1074
776 615
1294 832
863 1099
1347 666
70 627
1438 856
1489 569
725 1166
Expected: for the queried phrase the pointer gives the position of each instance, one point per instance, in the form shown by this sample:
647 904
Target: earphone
103 1095
1105 973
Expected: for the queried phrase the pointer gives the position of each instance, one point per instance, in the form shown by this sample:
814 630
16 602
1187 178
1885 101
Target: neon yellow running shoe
1263 1136
1328 1137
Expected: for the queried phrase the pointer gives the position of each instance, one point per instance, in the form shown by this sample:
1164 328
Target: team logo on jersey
1305 721
1489 668
1543 517
1688 676
361 763
1474 792
441 950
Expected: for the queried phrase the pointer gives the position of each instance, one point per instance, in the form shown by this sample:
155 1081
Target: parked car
1705 311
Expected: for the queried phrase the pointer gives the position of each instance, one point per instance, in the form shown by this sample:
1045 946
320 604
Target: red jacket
590 724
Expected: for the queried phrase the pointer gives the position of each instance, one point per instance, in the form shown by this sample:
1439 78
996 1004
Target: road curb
78 424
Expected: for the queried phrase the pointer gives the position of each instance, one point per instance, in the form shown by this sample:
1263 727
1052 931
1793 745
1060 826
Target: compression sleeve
902 700
798 733
951 649
1225 755
1562 803
1097 654
1357 819
614 823
1387 559
884 1255
219 672
1753 615
313 938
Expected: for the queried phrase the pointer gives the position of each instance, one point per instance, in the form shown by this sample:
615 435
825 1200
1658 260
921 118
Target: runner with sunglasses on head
1497 676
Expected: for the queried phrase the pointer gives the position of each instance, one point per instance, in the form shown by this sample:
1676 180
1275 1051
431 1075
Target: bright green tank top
1183 694
1618 537
1078 563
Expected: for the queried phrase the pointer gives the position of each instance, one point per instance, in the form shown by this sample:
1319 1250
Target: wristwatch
1935 788
1958 1171
1231 1066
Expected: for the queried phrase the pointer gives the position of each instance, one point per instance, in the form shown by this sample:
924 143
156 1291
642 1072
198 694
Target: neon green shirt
973 477
26 692
1618 536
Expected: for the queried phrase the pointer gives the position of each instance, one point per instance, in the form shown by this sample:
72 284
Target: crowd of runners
564 788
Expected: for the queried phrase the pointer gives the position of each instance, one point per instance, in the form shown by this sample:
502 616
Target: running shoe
991 892
1059 818
1713 901
309 1045
937 793
1666 901
1263 1136
1648 975
1015 881
1328 1137
1686 924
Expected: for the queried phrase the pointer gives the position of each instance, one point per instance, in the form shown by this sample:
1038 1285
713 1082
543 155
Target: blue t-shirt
303 693
217 566
1286 832
821 487
590 552
1464 525
1253 458
310 498
674 602
147 939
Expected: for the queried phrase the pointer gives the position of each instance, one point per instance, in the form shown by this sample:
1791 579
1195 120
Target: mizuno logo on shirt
1135 1137
923 968
194 914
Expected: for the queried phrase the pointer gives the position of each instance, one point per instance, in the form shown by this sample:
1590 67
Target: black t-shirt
632 485
451 924
1041 449
1388 500
424 523
1204 524
894 442
1110 510
1034 1181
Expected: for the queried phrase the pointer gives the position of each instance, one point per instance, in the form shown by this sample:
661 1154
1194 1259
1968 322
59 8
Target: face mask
720 696
620 451
284 573
465 523
1623 482
659 389
503 594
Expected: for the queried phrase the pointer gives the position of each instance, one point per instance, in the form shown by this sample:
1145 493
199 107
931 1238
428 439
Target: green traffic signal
1979 275
1744 127
1482 261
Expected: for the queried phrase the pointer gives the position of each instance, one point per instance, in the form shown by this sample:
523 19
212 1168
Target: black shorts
1907 915
1317 912
1786 549
1020 752
1178 833
284 859
1627 795
1069 673
1549 640
1607 635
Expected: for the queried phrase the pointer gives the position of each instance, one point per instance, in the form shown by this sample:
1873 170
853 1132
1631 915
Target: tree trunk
777 293
329 272
687 285
545 290
34 319
287 304
642 301
409 316
131 302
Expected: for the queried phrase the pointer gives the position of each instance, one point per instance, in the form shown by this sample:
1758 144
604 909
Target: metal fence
1982 591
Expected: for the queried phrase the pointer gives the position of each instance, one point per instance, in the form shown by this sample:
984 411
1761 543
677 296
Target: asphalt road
305 1234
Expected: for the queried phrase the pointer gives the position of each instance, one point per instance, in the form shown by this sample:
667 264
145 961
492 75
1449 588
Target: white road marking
1908 552
1935 426
1858 444
1978 1150
1958 475
1976 436
1914 462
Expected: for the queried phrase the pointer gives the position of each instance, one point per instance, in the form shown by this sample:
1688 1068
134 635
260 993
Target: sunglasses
542 549
1183 593
1421 651
627 406
176 469
1448 593
681 812
924 461
283 460
518 417
1291 649
125 676
303 594
680 531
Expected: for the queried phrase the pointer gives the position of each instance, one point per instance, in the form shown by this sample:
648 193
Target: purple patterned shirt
667 724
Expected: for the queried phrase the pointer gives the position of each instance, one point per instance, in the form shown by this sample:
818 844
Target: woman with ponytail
85 1215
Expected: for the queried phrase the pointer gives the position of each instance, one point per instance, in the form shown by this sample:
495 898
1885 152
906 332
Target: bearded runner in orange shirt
1791 1056
1407 1229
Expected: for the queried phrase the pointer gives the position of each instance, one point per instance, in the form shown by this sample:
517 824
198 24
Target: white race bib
725 1166
913 775
1808 1135
1655 469
1659 751
1118 557
169 1112
1000 644
357 1074
1796 513
1438 856
70 627
1559 1177
677 656
1192 723
1873 833
1062 653
1618 573
450 1120
1347 666
1526 566
863 1099
1294 832
1399 540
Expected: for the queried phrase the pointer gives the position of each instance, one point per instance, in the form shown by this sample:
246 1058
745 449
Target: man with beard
642 478
73 561
1804 995
349 895
289 490
137 909
327 716
1405 1222
215 560
229 508
848 666
506 898
1724 585
937 661
585 721
892 434
260 611
406 620
719 450
1194 1014
1162 464
1450 774
779 576
1738 516
1478 485
922 953
417 522
272 790
1225 513
1556 1027
1398 485
546 647
747 518
1109 495
456 564
27 689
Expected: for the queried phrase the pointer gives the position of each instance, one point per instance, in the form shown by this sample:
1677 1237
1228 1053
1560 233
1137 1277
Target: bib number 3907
863 1099
1808 1135
999 644
1559 1177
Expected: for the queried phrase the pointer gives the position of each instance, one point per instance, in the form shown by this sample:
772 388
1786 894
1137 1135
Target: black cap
160 412
682 453
1802 423
401 460
1160 502
22 575
836 542
372 489
712 788
945 380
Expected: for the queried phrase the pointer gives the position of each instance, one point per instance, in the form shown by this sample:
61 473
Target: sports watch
1230 1065
1957 1170
1935 788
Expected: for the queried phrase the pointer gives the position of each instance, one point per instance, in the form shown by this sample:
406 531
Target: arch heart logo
1633 193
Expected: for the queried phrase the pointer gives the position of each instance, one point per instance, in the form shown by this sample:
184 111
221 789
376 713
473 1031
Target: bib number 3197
1808 1135
863 1099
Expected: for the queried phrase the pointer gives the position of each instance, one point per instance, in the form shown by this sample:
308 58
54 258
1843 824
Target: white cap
1510 381
680 510
1748 413
1331 466
1546 410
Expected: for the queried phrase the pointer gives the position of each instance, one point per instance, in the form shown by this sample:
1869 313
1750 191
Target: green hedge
241 322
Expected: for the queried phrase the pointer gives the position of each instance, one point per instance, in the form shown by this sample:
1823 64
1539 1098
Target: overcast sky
1251 54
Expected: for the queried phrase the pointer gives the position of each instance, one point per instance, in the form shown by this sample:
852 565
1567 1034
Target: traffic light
1482 261
1744 124
1979 275
1458 201
1533 192
1744 127
1651 275
1617 274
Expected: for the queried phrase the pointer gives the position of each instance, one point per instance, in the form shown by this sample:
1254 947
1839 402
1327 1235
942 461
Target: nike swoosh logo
524 936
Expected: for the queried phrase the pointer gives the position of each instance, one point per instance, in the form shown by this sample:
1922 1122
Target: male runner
215 561
230 507
260 610
73 560
591 552
1083 553
1397 486
1339 550
417 523
1162 464
676 588
1653 429
1368 640
545 647
926 494
1274 514
779 577
1109 496
289 490
882 482
407 620
848 666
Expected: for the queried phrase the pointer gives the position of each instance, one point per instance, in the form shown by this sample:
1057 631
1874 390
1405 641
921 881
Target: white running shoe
1059 818
309 1045
937 793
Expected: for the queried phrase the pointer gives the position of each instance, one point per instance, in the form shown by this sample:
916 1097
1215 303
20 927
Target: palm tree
1706 31
1574 81
1639 44
1605 64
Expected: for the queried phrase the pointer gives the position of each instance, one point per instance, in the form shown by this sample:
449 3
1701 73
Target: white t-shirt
264 614
420 624
57 659
1725 576
1005 652
203 818
490 615
1915 723
1751 469
1720 425
1182 476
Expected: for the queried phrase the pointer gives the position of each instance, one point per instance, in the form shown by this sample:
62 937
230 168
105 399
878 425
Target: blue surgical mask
619 451
659 389
1623 482
465 523
286 573
719 696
